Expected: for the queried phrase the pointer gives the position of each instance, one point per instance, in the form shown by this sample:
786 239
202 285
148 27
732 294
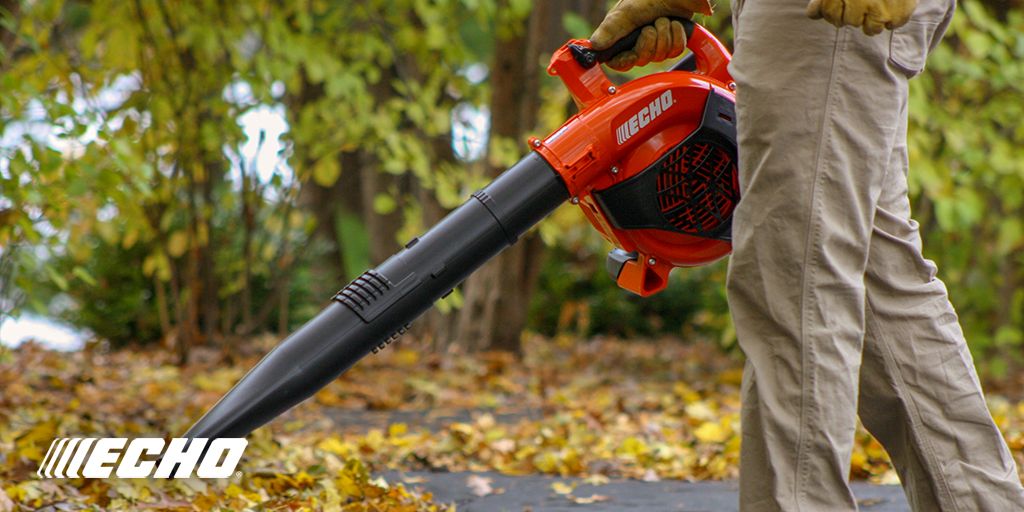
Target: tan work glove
872 16
664 40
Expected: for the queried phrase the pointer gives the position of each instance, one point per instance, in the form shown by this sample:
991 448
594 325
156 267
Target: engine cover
652 163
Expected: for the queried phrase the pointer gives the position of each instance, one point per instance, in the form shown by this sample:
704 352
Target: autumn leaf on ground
562 488
651 476
6 505
593 498
596 480
596 410
481 485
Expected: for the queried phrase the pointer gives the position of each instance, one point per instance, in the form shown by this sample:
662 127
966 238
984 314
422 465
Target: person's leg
819 112
919 394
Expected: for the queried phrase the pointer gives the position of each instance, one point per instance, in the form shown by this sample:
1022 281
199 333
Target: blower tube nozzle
378 306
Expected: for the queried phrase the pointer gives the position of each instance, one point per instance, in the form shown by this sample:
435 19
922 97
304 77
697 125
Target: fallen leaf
479 485
562 488
6 505
711 432
594 498
504 445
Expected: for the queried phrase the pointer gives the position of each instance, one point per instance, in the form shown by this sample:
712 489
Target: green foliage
135 148
113 307
356 249
122 172
967 174
580 298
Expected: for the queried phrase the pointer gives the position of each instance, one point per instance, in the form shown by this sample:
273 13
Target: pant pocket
736 6
910 44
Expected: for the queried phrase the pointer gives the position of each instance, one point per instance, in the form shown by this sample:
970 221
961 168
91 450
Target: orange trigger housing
652 163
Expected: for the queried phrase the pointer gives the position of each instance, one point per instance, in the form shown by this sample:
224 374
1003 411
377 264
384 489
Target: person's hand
872 16
662 40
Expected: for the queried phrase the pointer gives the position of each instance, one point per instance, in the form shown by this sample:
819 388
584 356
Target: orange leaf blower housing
651 163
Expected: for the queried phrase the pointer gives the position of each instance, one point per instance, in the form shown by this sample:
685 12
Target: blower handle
576 63
629 42
708 56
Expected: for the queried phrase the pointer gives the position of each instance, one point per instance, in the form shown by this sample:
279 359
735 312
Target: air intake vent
360 294
695 188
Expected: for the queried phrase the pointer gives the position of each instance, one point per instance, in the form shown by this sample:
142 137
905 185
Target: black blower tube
378 306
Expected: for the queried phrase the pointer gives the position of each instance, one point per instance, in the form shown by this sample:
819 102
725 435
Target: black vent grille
696 189
361 293
394 336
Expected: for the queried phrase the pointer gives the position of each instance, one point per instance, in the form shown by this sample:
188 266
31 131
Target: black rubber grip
627 43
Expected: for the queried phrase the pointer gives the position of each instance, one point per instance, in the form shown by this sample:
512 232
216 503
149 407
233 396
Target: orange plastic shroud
619 132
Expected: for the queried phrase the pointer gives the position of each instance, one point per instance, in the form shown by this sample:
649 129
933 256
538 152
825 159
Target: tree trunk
381 227
208 271
497 296
161 307
327 204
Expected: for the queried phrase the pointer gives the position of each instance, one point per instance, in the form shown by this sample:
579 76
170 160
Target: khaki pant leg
919 392
819 112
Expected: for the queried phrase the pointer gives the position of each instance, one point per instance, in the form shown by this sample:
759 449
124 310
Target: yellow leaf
397 429
562 488
633 446
732 376
303 479
234 491
700 411
594 498
32 444
130 238
348 486
406 357
334 445
711 432
326 171
546 462
177 244
15 492
859 460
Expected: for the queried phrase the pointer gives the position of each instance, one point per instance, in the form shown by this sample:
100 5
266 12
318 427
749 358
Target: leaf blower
652 164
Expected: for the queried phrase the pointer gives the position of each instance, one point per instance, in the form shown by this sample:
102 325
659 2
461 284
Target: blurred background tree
197 172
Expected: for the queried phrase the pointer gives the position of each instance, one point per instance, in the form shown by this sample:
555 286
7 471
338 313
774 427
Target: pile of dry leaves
591 408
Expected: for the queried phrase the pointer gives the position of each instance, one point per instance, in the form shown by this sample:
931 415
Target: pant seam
810 259
889 360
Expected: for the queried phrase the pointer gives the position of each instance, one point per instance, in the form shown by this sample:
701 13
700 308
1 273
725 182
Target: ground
599 424
556 494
